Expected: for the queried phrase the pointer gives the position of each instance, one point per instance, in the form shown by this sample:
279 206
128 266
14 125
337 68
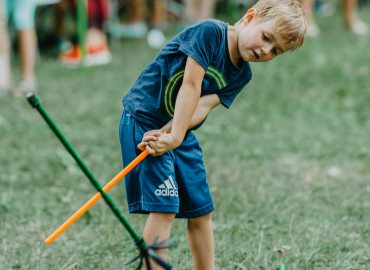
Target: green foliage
287 164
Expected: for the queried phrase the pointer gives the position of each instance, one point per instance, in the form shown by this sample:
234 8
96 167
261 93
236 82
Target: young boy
202 67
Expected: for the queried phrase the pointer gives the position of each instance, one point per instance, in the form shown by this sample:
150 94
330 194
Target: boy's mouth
255 55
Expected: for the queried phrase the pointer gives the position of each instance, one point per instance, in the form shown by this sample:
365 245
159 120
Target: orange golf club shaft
97 196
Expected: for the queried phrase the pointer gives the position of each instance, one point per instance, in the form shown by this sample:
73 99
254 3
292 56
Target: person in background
197 11
135 26
137 13
96 40
23 12
353 21
4 51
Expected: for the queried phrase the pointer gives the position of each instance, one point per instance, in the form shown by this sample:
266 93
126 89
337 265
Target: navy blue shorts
174 182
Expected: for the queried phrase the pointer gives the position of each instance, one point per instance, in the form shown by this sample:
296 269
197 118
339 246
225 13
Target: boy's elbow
192 87
210 101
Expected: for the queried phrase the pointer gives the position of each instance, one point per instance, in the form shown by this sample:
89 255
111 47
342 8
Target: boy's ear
250 15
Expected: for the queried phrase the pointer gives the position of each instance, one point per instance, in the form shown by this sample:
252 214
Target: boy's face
258 41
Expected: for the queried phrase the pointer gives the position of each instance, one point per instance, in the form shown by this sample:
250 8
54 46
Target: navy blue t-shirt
152 98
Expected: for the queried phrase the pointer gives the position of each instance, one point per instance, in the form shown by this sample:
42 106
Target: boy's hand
157 144
163 144
148 136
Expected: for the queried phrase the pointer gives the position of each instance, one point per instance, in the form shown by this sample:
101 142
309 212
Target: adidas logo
167 189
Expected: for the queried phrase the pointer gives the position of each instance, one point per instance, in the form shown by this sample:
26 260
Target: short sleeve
228 97
200 42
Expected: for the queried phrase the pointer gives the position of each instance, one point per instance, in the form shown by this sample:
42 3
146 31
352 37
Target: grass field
288 164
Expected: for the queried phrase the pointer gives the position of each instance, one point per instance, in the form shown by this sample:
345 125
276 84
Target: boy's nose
267 49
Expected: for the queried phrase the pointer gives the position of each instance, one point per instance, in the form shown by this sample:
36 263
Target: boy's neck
232 40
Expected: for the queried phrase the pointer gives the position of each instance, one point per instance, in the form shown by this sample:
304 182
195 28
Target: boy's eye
275 52
265 37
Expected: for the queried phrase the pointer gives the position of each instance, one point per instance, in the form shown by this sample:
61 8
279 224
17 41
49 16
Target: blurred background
287 164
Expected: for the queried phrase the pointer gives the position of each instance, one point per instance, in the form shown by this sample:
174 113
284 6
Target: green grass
288 164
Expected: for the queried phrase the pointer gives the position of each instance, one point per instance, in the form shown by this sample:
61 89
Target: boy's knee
163 217
194 223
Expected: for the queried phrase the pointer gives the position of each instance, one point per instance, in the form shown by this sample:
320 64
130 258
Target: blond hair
290 19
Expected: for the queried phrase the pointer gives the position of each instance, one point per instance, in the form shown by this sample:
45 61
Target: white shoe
360 28
97 59
25 86
312 30
97 56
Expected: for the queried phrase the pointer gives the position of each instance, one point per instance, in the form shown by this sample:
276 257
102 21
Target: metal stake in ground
146 252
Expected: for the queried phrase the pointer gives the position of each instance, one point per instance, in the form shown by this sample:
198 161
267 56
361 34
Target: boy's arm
205 105
186 103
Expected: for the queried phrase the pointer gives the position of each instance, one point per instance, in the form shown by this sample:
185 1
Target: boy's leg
151 186
158 224
195 201
200 237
